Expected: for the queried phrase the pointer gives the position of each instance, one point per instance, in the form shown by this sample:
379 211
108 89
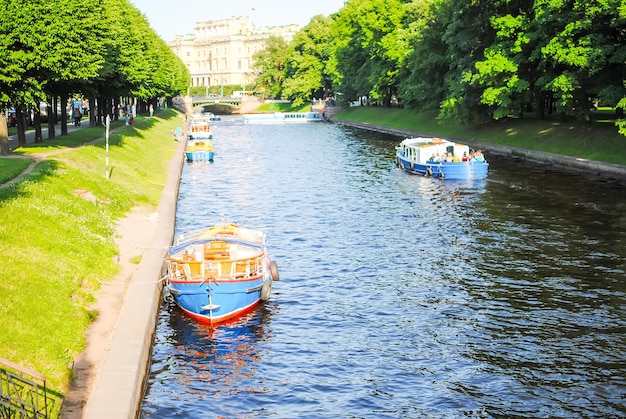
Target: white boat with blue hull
283 118
440 158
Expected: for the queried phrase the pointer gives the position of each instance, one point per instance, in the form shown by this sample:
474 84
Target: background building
220 52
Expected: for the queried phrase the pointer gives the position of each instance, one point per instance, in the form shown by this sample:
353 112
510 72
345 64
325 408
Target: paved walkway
30 134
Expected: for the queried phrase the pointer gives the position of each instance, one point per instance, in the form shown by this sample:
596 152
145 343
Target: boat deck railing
216 268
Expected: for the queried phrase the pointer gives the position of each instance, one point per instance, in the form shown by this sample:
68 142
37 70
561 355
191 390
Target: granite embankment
594 167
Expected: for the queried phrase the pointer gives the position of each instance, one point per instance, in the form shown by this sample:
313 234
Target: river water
401 296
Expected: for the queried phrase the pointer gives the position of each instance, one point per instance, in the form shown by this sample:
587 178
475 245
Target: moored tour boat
220 272
440 158
283 118
199 146
199 150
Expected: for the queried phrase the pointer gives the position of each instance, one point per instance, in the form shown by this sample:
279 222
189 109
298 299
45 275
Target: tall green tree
369 48
583 56
306 72
270 62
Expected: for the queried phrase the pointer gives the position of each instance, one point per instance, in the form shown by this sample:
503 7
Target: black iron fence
23 392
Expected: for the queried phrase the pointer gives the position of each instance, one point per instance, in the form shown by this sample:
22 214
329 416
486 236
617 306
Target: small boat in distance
440 158
199 146
220 272
210 116
282 118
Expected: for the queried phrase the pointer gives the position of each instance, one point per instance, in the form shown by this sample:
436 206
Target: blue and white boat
220 272
440 158
283 118
199 150
199 146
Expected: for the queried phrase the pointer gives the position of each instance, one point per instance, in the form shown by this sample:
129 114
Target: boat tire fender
167 295
441 175
274 270
429 171
412 166
266 290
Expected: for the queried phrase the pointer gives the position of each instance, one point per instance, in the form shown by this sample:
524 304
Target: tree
270 62
305 72
369 48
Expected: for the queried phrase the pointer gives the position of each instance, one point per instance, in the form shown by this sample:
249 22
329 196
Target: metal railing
23 392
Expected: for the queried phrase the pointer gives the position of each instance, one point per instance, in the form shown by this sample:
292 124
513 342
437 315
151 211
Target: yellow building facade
220 51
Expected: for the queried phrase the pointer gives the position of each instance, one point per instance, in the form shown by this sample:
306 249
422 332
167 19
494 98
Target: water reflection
400 295
225 356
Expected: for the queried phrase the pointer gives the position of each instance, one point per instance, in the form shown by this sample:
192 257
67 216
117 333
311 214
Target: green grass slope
57 237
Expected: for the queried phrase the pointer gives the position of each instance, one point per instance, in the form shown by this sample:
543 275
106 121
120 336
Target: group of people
449 157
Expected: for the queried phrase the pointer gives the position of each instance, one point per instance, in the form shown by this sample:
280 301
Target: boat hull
199 156
216 302
283 118
447 170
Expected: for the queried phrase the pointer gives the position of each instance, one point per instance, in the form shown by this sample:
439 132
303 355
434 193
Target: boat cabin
422 150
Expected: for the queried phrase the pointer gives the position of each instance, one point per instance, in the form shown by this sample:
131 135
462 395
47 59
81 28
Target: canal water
400 296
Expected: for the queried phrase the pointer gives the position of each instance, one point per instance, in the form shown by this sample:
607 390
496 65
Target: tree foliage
270 62
475 60
97 48
306 70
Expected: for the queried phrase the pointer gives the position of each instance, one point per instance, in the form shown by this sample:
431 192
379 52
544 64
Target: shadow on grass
83 136
41 171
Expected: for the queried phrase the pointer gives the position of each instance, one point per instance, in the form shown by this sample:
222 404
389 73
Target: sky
170 18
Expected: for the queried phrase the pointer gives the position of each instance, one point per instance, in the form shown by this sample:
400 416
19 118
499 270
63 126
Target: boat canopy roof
420 149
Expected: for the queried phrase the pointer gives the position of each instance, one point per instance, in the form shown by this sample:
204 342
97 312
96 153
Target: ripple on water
400 296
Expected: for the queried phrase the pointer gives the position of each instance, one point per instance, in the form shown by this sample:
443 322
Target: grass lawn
599 140
57 237
10 168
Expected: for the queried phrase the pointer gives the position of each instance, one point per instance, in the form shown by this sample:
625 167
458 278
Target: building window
239 64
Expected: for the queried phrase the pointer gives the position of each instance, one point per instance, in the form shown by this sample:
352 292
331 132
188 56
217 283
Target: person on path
151 110
77 117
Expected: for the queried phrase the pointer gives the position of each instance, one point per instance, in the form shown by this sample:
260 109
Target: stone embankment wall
593 167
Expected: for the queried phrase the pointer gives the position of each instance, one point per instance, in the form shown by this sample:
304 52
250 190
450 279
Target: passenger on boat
465 157
448 157
479 155
472 155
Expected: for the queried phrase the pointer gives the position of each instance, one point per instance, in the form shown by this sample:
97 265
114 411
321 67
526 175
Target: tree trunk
4 134
22 123
52 114
92 111
37 123
63 113
541 105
